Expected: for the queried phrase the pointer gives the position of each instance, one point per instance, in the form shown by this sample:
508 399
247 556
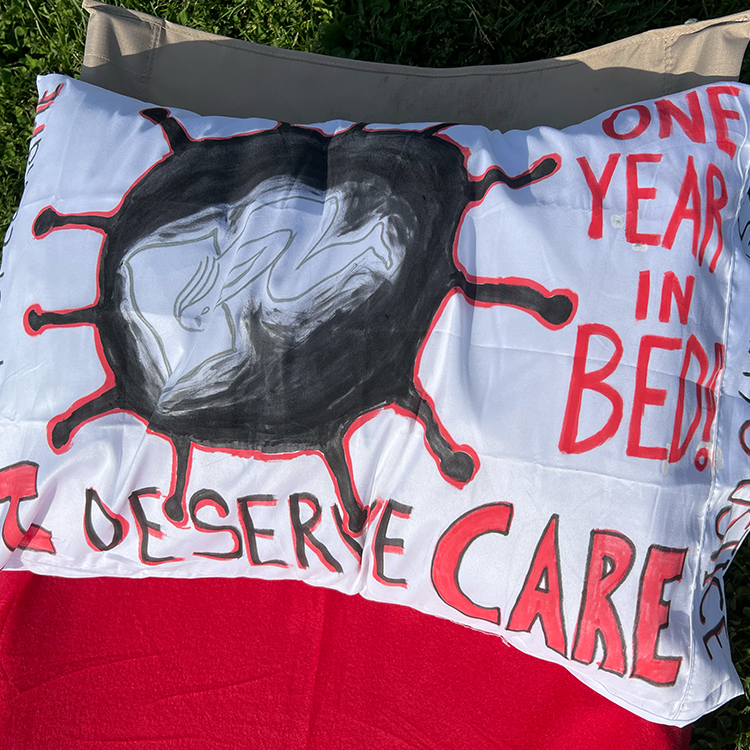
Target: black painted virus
308 269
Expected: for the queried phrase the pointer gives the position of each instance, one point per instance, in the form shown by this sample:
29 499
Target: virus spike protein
339 377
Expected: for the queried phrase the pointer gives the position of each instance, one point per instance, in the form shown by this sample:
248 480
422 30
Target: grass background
46 36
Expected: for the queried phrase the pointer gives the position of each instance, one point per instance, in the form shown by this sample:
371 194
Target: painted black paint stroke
302 396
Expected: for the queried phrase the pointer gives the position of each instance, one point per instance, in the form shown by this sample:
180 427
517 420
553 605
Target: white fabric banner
500 378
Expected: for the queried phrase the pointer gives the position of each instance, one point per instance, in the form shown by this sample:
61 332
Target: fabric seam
710 500
91 55
148 67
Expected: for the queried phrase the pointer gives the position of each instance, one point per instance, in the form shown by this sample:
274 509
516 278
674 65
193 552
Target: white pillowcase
500 378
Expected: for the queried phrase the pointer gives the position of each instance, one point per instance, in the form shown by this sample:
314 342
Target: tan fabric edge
668 35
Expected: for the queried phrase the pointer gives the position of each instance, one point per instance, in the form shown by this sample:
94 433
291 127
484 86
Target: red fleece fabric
225 664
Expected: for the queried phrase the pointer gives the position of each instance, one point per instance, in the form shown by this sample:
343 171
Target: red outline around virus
422 177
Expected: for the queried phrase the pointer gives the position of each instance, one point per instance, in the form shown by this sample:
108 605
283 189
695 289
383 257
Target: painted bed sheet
499 378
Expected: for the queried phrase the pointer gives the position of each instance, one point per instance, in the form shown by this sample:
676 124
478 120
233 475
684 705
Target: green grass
40 36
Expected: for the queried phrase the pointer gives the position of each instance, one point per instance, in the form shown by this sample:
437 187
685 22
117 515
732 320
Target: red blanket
222 664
